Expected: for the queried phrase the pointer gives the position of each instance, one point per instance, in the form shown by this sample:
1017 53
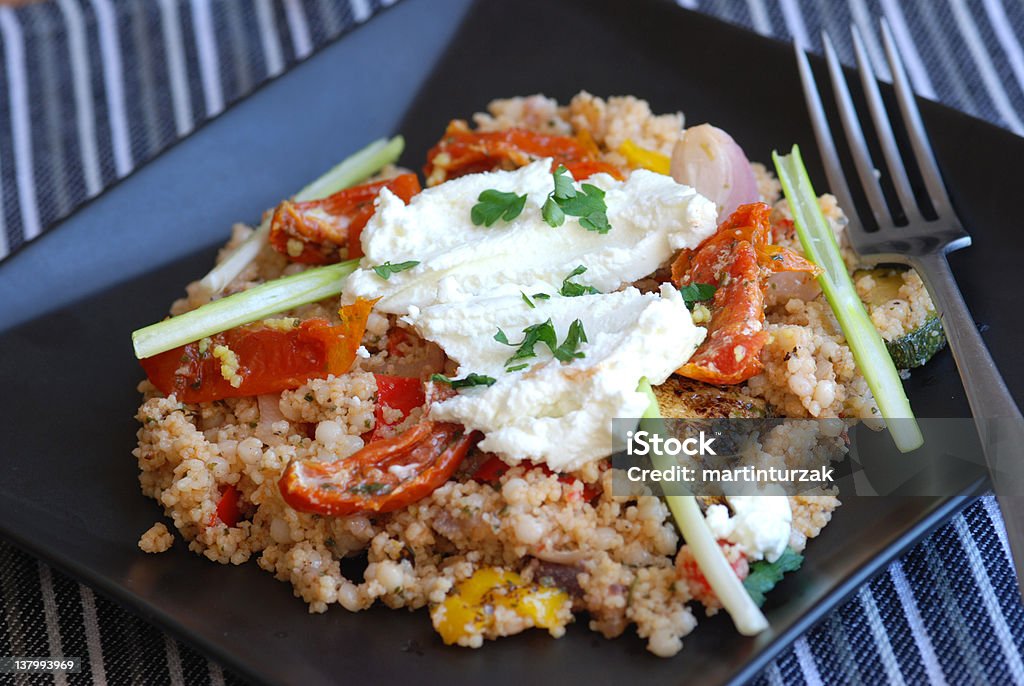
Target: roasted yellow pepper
642 157
493 603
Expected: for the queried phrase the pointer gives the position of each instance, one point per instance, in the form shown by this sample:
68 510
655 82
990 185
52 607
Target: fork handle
998 420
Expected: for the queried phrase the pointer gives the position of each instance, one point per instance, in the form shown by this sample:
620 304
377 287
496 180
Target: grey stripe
759 16
331 16
966 652
892 667
938 39
82 84
238 38
270 38
53 112
52 619
93 641
144 69
174 50
848 667
917 629
805 659
173 662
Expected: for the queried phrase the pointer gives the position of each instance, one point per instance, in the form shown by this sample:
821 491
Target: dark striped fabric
90 89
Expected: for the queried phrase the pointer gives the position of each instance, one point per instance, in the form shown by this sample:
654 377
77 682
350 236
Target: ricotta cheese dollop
651 216
761 524
469 281
555 412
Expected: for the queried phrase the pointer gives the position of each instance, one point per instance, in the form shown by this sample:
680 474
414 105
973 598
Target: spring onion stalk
745 613
868 348
241 308
348 172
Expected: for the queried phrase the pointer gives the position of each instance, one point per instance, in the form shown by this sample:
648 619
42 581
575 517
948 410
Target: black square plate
70 300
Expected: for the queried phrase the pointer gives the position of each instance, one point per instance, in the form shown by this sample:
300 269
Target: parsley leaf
526 299
385 270
552 213
541 296
563 183
532 335
567 351
764 575
471 379
571 290
697 292
494 205
587 203
544 333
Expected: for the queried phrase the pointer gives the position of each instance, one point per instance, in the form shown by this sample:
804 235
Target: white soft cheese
761 525
651 216
554 412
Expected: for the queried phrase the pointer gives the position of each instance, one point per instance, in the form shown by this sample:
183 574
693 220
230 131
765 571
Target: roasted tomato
255 359
382 477
395 393
737 259
227 508
313 232
463 151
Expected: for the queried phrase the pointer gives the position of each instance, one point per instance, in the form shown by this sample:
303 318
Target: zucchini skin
915 348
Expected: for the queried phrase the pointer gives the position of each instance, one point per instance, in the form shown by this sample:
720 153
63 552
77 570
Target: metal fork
922 244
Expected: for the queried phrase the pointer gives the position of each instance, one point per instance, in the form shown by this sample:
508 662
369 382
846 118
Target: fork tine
855 136
826 144
915 128
883 128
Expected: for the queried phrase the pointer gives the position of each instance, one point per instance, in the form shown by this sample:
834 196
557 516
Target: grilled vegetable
682 398
242 308
888 281
384 476
313 232
913 348
462 151
737 259
468 615
252 360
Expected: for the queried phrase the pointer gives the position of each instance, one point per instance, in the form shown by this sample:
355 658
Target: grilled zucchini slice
682 398
913 348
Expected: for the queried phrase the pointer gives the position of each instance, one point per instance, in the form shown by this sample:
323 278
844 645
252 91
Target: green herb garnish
697 292
587 204
541 296
494 205
385 270
764 575
532 335
518 367
568 350
471 379
544 333
526 299
571 290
